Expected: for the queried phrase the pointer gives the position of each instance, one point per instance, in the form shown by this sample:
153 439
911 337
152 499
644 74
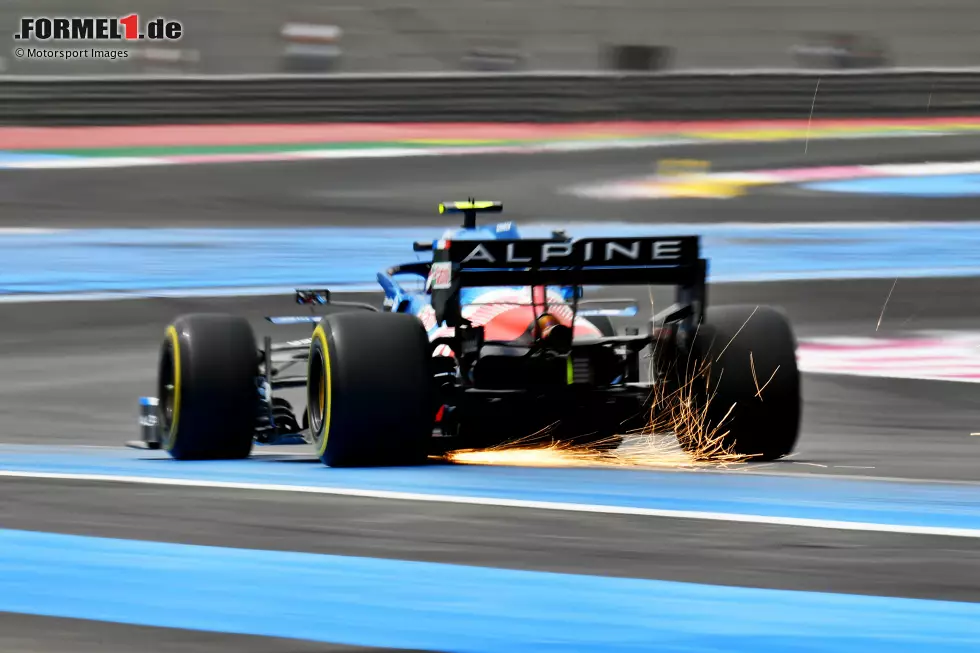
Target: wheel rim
166 391
323 390
318 393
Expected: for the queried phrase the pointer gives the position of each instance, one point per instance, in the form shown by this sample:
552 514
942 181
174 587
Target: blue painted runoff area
731 492
966 185
9 157
193 260
443 607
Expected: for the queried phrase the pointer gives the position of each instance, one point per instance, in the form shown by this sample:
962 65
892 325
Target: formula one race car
499 345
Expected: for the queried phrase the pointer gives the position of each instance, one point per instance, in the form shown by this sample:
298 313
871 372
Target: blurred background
849 201
271 36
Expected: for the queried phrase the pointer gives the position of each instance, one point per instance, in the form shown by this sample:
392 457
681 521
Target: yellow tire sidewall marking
175 418
319 335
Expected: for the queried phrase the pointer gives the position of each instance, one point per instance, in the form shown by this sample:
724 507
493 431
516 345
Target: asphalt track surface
72 372
406 191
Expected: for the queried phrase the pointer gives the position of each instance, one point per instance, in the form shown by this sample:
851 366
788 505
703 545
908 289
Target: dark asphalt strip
20 633
406 191
776 557
73 372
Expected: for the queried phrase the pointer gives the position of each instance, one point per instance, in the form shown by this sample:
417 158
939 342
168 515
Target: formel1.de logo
126 28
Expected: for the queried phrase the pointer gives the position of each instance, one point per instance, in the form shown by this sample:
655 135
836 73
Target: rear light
546 323
553 332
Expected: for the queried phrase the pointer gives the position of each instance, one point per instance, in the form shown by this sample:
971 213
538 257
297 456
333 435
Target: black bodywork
549 386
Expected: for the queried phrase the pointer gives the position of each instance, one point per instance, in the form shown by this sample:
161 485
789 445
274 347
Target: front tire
206 387
369 390
743 382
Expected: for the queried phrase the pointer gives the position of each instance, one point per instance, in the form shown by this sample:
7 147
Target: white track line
515 503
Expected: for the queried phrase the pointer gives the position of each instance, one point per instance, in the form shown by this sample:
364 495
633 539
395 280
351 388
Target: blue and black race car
497 344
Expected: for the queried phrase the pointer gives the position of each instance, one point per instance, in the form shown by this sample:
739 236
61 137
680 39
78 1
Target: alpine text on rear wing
586 252
598 261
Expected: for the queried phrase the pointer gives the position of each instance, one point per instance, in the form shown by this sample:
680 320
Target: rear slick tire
744 359
369 390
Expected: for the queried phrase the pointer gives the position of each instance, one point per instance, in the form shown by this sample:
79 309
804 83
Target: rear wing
595 261
652 260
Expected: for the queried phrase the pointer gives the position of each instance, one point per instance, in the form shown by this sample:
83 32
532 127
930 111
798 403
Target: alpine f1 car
498 344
